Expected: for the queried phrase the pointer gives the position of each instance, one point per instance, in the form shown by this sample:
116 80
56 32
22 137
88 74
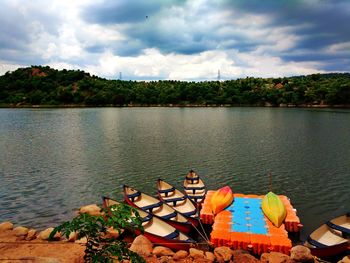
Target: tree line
42 85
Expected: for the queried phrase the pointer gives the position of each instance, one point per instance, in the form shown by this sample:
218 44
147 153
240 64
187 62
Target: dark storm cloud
125 11
168 26
20 27
338 65
169 41
319 24
316 56
149 24
95 48
316 31
13 34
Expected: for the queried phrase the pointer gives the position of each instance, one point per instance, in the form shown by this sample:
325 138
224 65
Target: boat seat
195 197
191 213
166 191
150 207
173 235
194 188
147 218
345 231
169 216
134 195
192 179
316 243
175 200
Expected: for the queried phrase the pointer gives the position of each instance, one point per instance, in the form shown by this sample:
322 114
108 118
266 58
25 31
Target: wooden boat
194 187
158 231
158 208
221 199
327 242
341 225
273 208
179 201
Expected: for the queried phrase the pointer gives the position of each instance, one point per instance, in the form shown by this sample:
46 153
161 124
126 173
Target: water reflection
53 161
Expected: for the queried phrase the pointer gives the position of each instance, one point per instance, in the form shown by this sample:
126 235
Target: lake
53 161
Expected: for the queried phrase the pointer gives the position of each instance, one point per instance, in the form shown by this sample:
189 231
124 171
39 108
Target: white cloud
6 66
211 38
202 66
273 66
339 48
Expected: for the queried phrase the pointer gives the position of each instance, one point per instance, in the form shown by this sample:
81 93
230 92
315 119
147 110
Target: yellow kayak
221 199
274 209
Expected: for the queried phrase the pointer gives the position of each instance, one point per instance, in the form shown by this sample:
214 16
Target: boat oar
205 237
200 223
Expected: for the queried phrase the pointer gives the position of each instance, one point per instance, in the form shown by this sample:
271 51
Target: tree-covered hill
38 85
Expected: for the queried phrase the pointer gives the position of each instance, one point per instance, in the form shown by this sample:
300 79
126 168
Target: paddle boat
331 238
158 208
273 208
221 199
157 230
179 201
341 225
194 187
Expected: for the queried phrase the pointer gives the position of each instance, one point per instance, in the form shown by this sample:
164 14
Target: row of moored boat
169 218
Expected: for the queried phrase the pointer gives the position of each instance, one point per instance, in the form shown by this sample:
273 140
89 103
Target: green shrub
100 247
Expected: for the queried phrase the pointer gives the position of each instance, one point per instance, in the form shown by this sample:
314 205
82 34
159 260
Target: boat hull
172 244
273 208
325 242
179 201
328 252
183 227
178 242
194 188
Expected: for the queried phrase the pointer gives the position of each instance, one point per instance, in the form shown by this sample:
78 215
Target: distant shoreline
44 87
319 106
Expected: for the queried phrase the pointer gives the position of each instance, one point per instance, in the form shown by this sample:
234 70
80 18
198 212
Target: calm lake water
52 161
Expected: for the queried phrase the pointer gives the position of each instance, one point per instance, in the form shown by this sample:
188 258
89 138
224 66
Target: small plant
100 246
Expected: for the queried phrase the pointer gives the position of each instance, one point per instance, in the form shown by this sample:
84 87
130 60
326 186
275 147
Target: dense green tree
44 85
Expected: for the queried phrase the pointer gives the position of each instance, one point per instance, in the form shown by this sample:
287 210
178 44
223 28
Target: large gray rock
345 259
196 253
93 210
31 234
82 241
142 246
113 233
274 257
72 236
181 254
165 259
241 256
301 254
160 251
201 260
150 259
45 234
6 226
210 256
223 254
20 231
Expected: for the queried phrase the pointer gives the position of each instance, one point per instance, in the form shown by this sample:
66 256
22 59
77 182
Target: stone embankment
21 244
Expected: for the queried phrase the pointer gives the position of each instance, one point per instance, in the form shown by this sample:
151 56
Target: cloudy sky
177 39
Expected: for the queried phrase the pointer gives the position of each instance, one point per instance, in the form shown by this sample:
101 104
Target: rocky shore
22 244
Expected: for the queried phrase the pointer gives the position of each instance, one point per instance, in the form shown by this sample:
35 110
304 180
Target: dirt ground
12 249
